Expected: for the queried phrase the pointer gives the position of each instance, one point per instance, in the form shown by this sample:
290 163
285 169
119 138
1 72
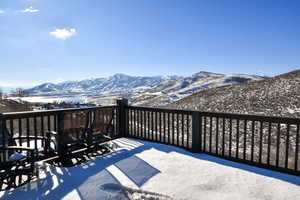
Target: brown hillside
7 105
276 96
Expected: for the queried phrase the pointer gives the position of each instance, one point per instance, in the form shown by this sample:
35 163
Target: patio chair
71 136
43 147
16 166
101 128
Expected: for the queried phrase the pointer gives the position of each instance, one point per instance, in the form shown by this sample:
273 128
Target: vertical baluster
287 146
27 131
230 136
134 122
204 135
160 128
42 130
173 127
188 131
140 123
245 139
237 137
223 137
144 125
217 135
148 123
144 128
129 122
269 143
278 145
156 127
115 119
169 141
210 133
182 129
35 133
297 149
252 141
164 116
260 141
20 130
152 127
177 129
135 118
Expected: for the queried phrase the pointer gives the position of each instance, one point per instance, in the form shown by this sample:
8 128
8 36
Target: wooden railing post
196 132
60 127
122 119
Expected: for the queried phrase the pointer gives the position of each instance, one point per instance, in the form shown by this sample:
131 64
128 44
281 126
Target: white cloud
2 11
63 33
30 10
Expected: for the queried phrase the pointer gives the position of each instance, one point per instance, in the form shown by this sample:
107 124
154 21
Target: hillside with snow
278 95
177 89
140 90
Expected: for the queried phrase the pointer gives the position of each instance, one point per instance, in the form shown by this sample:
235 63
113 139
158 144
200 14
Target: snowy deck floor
159 169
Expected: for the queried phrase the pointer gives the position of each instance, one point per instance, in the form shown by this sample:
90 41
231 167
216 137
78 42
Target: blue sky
56 40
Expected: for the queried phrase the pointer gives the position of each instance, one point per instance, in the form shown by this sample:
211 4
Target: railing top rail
272 119
167 110
48 112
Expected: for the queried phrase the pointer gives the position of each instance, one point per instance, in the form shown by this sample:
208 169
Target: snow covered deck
157 168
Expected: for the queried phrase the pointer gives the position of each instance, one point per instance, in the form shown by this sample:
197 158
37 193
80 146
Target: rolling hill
278 96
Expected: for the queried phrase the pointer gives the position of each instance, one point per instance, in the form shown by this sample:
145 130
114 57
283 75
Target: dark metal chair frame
11 169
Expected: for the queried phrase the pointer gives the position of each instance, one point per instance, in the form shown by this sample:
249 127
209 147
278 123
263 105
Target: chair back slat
102 121
75 124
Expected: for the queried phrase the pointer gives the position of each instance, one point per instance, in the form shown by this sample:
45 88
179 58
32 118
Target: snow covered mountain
116 84
183 87
140 90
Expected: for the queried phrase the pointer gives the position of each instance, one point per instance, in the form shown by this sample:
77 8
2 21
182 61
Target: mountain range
116 84
142 90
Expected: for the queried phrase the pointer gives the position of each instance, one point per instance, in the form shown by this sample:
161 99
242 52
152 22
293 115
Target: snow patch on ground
51 99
